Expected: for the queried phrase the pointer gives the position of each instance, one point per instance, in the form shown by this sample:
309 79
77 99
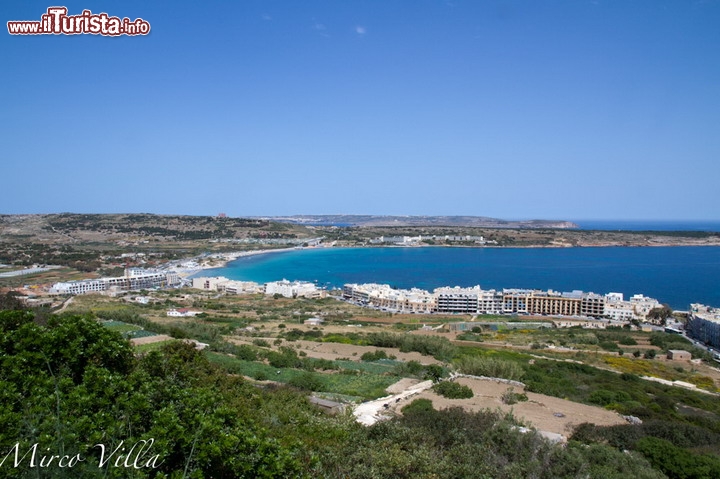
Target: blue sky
547 109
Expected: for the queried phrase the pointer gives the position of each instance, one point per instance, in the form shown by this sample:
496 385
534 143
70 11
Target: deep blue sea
677 275
648 225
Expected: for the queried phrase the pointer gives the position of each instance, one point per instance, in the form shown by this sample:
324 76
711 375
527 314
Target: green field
349 382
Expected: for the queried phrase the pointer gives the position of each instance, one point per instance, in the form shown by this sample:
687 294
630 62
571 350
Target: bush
374 356
410 368
585 338
307 382
511 397
244 352
418 405
604 397
491 367
453 390
608 346
433 372
676 462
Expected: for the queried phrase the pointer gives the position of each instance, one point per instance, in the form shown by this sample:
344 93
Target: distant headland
434 221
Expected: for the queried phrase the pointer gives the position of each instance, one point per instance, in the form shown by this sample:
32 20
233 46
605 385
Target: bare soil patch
334 351
150 339
545 413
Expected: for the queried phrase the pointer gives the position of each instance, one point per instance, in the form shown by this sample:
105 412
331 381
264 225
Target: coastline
220 260
628 270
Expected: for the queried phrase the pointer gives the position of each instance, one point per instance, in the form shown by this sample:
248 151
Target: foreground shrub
453 390
417 406
676 462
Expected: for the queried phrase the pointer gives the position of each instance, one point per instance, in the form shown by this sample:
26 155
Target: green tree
660 314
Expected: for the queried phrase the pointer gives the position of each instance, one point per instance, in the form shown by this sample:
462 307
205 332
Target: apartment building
552 303
475 300
134 279
592 305
384 297
516 300
704 324
642 305
229 286
490 302
293 289
457 300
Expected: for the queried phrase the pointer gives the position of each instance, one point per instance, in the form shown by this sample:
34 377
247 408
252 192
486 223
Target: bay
677 276
649 225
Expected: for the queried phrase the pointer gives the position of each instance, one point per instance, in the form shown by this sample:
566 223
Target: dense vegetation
71 384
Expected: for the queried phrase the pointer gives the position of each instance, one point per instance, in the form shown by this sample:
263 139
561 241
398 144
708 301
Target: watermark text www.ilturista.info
57 22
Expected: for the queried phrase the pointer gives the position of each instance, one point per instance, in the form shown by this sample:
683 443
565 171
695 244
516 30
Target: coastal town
574 308
370 348
362 240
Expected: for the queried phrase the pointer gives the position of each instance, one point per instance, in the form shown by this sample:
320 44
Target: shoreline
225 258
678 298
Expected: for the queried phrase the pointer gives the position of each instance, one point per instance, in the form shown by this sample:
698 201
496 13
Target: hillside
74 228
91 242
449 221
89 392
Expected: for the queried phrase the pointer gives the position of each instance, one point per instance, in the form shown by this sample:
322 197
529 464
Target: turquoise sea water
673 275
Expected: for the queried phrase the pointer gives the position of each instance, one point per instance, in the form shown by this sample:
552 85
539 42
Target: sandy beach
187 269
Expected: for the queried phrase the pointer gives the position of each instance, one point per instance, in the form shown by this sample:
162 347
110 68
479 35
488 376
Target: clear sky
553 109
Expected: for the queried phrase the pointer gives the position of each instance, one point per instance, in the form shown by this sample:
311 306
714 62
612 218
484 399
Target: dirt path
370 412
67 303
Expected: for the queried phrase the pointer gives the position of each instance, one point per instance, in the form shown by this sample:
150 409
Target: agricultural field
351 358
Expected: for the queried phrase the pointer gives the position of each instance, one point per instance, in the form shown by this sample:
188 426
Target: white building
490 302
222 284
182 313
617 308
209 283
135 278
384 297
642 305
292 289
457 299
704 324
637 307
